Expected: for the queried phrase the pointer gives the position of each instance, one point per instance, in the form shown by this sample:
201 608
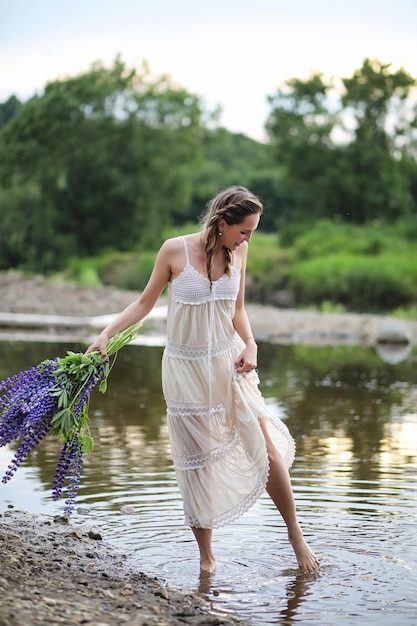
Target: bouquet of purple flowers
54 397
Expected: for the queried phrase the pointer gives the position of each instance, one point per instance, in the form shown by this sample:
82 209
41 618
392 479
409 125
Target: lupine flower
75 467
54 397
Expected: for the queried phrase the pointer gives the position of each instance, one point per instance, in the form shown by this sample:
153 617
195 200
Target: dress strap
187 258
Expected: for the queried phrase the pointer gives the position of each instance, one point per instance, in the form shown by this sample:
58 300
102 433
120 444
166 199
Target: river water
354 419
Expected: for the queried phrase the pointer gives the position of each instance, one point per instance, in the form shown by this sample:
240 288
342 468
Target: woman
227 447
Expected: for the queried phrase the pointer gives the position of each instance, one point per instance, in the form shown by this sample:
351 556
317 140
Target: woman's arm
140 308
247 359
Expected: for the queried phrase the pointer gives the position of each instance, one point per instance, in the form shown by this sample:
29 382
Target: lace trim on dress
233 514
198 461
194 353
191 409
204 300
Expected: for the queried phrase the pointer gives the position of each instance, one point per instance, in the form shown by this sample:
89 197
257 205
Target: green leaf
87 443
59 416
55 392
63 399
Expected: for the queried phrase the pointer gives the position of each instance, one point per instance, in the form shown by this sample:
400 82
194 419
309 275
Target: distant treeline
108 160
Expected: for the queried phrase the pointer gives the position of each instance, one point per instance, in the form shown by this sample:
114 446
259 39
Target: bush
134 274
267 267
124 270
361 283
406 228
326 237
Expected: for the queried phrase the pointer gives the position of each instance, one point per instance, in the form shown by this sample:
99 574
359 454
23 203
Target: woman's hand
247 359
100 344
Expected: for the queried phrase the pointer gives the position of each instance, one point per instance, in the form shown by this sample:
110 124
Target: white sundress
217 444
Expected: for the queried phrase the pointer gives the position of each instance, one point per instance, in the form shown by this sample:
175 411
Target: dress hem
233 514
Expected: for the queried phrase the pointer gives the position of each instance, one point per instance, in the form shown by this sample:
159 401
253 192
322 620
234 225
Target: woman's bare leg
203 537
280 490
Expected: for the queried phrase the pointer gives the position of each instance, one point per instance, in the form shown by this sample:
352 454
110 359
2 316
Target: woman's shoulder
172 247
172 244
177 243
173 250
240 255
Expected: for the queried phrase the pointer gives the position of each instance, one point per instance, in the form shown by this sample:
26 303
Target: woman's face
235 234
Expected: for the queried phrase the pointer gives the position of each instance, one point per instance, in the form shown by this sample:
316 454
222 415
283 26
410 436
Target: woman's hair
232 205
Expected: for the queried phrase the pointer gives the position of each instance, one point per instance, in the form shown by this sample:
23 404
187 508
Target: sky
233 54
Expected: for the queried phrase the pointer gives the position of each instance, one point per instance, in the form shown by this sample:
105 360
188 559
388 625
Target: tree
344 144
8 110
230 159
376 98
110 153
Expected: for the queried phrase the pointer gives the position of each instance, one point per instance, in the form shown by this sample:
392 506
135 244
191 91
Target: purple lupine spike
84 395
27 401
31 399
75 468
21 386
31 440
61 470
26 411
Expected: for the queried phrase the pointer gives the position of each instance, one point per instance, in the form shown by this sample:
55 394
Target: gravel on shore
53 573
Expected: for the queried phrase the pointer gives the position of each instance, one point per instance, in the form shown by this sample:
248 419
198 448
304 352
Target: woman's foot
207 564
306 559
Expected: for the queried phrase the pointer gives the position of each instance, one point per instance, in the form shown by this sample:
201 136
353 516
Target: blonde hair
232 205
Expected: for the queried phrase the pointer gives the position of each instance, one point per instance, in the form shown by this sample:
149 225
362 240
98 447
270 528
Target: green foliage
87 275
334 267
76 374
110 153
326 306
326 237
348 145
363 268
124 270
30 236
362 283
100 168
135 275
372 268
406 312
406 228
230 159
9 109
178 231
265 259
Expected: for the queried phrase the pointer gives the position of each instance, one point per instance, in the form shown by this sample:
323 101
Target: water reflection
393 352
354 419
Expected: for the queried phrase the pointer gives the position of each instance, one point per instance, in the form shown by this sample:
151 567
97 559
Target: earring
220 233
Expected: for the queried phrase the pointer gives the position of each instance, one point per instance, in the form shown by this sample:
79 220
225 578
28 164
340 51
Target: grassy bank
328 266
